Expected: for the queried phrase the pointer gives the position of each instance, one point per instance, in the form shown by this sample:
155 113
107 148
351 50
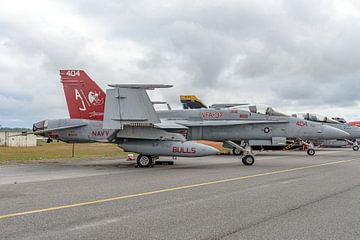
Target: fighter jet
235 125
133 125
352 130
189 102
247 125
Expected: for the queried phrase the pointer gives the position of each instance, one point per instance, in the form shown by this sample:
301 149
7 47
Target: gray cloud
296 55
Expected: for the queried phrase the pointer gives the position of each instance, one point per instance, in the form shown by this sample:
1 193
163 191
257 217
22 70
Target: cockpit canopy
315 117
339 119
260 109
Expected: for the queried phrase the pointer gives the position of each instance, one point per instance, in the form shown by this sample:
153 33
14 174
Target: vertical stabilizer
85 99
191 102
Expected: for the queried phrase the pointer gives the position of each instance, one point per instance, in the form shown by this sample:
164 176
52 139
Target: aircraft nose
334 133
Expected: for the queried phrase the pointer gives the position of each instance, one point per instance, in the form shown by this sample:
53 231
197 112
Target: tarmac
284 195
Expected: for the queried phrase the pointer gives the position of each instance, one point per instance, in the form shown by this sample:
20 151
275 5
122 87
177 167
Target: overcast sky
295 55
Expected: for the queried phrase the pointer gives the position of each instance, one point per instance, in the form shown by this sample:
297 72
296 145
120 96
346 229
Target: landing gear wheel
356 148
248 160
237 152
144 161
310 152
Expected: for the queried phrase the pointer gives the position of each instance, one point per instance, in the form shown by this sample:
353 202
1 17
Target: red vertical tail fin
85 99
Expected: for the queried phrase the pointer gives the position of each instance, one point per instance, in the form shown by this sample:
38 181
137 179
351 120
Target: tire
310 152
144 161
237 152
355 148
248 160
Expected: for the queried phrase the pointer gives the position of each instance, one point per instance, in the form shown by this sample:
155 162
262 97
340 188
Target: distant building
15 139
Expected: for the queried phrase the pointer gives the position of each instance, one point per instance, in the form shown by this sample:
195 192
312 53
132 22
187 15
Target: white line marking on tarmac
95 224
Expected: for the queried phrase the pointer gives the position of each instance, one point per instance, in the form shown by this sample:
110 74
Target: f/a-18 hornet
130 120
288 141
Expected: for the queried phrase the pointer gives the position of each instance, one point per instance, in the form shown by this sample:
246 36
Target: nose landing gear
310 152
310 147
355 147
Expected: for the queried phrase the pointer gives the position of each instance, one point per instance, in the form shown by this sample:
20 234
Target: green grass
58 150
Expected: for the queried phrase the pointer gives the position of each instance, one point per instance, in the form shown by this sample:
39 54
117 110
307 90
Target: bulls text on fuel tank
184 150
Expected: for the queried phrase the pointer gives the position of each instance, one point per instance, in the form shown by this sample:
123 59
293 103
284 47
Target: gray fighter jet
246 125
130 120
137 127
192 102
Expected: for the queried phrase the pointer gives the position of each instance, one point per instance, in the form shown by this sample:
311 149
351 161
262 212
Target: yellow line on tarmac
167 190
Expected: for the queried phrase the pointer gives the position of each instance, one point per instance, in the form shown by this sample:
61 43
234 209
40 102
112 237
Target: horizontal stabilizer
49 130
60 128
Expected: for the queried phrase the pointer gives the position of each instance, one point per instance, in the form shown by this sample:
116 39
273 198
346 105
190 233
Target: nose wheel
144 161
309 146
354 144
310 152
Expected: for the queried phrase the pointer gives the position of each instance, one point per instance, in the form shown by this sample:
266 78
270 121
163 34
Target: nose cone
334 133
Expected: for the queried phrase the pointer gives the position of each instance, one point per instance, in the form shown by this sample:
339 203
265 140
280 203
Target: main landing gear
145 161
248 160
243 150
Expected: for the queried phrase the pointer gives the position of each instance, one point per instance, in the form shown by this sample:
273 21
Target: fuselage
210 124
273 126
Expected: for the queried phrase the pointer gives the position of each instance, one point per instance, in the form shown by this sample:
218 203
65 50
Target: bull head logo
94 98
